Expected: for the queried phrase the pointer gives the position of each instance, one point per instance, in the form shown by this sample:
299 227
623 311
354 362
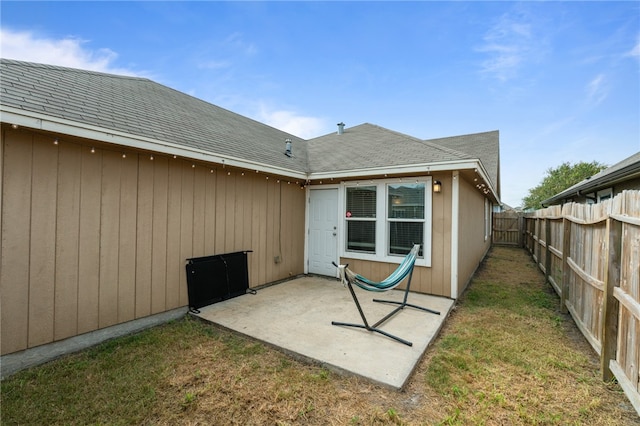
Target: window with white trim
385 218
487 219
405 217
604 194
361 218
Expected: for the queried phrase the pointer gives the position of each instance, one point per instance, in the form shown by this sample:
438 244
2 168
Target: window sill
421 261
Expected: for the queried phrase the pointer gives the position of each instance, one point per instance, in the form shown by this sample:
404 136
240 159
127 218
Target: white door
323 231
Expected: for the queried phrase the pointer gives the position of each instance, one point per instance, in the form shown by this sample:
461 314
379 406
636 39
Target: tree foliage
559 179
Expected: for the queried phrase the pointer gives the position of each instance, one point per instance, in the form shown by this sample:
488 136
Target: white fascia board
473 164
402 169
408 168
73 128
485 176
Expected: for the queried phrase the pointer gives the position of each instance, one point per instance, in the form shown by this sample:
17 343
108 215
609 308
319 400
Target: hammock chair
392 281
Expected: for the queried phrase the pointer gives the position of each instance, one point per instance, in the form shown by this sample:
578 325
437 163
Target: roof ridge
392 131
465 135
427 142
71 69
447 149
106 74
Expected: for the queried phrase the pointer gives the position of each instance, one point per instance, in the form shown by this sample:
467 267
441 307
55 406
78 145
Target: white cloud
236 42
506 44
291 122
67 52
597 89
509 44
214 65
635 51
555 126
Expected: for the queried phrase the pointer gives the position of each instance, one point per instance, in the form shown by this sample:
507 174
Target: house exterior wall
435 279
631 184
617 188
91 240
472 244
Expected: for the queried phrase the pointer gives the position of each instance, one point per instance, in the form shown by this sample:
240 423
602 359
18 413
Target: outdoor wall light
437 186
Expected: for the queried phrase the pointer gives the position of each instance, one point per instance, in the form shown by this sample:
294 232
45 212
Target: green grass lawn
506 356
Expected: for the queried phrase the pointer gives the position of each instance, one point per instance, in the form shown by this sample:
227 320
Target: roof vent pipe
340 128
287 147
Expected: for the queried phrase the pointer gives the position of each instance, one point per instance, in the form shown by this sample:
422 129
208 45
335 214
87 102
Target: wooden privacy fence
507 229
590 254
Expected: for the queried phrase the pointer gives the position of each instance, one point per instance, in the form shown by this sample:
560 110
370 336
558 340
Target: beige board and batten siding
91 240
472 244
429 280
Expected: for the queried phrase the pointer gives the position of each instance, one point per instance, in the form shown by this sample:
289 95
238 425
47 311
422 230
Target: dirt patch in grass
505 356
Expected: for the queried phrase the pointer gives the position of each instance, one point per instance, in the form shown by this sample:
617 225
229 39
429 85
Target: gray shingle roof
484 146
370 146
141 107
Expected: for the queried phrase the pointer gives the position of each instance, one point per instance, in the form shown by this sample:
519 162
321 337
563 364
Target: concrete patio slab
296 316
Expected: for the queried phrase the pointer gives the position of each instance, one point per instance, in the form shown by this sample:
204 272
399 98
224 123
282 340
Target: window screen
361 218
405 216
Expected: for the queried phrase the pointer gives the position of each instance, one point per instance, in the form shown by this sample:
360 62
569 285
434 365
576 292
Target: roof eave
626 173
408 169
43 122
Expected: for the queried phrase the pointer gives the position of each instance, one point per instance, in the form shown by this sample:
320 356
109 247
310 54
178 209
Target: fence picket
596 249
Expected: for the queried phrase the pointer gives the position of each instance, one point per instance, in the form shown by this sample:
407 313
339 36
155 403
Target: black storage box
211 279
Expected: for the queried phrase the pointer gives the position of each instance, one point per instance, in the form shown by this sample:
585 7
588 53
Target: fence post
566 247
610 310
521 229
547 252
536 242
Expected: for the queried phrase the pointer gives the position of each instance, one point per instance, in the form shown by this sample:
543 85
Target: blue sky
559 80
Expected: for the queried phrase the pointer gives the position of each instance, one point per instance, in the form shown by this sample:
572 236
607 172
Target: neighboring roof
368 146
143 108
483 146
627 169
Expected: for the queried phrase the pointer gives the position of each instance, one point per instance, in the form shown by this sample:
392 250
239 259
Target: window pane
403 235
361 201
361 235
406 201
